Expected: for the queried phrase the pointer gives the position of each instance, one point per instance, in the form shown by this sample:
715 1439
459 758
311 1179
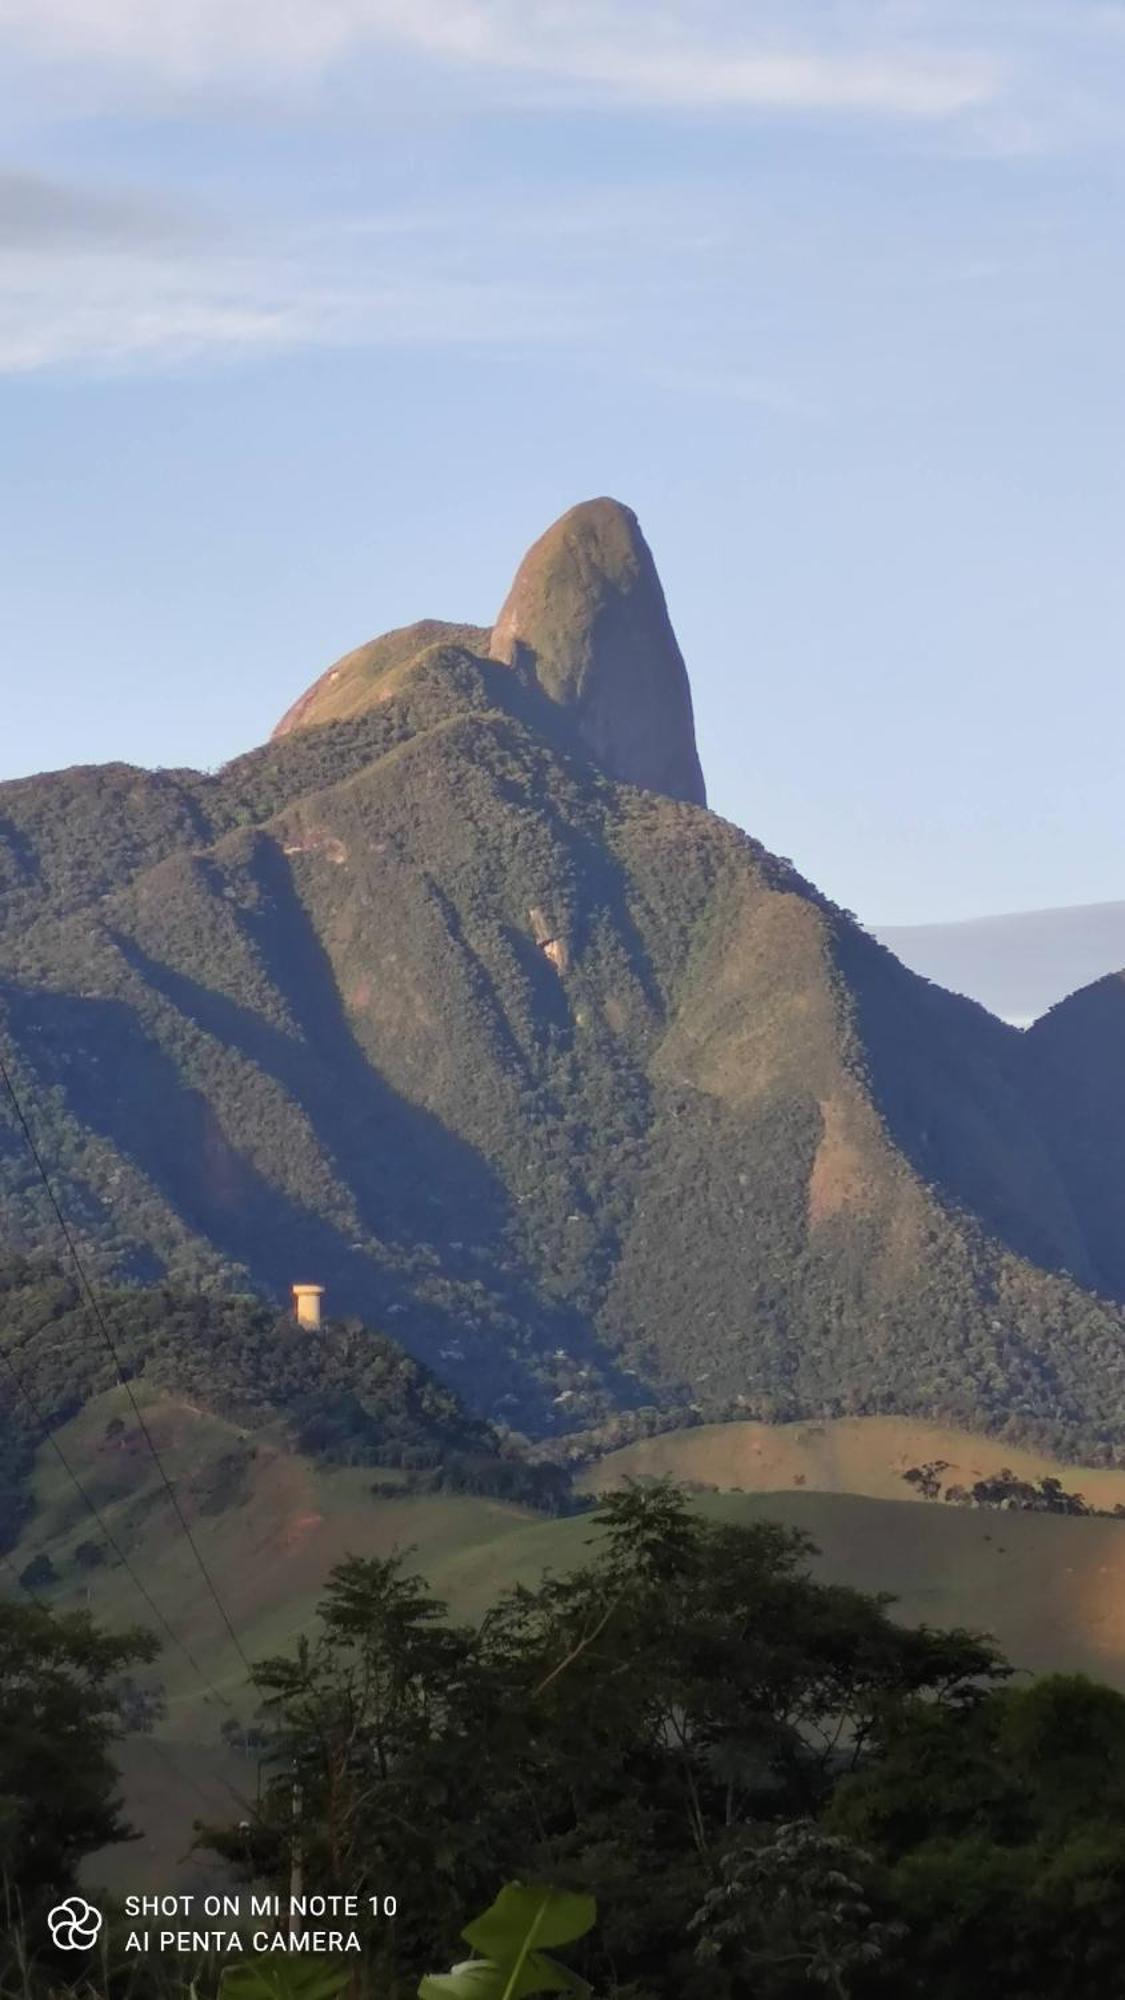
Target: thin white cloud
93 282
92 278
682 53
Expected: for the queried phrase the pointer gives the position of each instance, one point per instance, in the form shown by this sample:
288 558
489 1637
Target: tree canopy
64 1697
644 1729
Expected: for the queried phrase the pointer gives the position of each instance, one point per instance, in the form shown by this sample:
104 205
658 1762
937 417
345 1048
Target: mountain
1017 965
585 624
456 998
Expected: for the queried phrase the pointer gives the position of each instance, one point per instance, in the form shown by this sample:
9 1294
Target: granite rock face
586 617
585 621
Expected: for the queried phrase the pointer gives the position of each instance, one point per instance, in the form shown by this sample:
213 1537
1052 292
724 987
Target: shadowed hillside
1076 1061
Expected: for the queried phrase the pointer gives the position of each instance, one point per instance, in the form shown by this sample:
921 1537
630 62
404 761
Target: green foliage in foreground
664 1729
769 1788
302 1977
509 1946
63 1693
1004 1838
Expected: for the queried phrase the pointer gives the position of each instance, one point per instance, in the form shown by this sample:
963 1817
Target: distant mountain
1019 965
456 998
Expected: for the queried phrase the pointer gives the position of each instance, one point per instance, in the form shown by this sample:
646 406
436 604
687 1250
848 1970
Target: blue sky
313 313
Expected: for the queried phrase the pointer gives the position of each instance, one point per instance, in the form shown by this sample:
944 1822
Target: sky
314 313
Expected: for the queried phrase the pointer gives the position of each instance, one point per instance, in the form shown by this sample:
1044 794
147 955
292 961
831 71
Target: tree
1002 1828
374 1726
618 1731
61 1696
39 1573
793 1905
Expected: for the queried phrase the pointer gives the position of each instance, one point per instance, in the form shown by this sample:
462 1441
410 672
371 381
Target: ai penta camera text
253 1922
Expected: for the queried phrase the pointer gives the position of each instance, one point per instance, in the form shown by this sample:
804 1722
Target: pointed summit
586 621
586 615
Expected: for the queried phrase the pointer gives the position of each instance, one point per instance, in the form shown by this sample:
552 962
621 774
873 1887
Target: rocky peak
586 618
585 621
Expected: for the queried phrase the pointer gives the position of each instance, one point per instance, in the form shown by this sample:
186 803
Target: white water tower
306 1305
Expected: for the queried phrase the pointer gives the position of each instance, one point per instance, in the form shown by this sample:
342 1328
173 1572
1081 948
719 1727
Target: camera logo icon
75 1924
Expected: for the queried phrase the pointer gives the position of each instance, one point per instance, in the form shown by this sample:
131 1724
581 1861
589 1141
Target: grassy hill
270 1524
348 1396
859 1455
1050 1590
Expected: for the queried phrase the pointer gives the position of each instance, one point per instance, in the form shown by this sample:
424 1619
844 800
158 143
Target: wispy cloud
43 215
684 53
105 277
104 281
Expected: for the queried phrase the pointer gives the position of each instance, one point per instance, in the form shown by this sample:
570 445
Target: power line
100 1321
50 1440
158 1749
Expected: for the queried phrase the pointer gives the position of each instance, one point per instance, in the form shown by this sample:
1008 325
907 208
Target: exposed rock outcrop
586 621
586 617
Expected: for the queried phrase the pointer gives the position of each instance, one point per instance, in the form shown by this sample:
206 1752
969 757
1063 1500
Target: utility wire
50 1440
154 1744
100 1321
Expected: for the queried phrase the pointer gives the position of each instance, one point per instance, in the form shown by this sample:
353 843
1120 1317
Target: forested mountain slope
564 1080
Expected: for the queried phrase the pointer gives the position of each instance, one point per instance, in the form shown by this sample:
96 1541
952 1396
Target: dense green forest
767 1786
590 1101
